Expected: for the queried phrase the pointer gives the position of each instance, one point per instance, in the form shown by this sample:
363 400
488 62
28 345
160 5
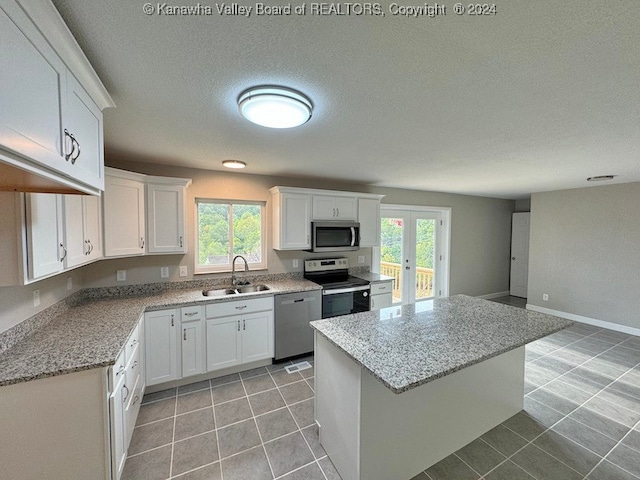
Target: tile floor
581 421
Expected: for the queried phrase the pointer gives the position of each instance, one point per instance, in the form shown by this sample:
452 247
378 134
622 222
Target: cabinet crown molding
314 191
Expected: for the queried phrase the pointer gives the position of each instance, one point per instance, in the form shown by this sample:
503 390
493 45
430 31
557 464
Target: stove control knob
366 294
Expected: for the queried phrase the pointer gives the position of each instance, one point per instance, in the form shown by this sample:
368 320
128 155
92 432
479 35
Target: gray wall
480 238
585 252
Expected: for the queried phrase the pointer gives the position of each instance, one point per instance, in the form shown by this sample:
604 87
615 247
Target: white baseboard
590 321
494 295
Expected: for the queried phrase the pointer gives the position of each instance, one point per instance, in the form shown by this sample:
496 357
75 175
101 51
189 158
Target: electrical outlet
545 297
69 283
164 272
36 298
183 270
121 275
295 263
360 258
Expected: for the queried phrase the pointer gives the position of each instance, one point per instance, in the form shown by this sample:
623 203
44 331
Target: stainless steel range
342 293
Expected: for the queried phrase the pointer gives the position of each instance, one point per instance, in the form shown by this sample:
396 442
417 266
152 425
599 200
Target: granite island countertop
92 333
405 347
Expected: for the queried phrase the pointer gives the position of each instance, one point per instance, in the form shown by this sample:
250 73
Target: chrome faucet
233 271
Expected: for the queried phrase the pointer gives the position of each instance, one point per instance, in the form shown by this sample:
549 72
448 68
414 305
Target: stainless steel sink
219 292
252 288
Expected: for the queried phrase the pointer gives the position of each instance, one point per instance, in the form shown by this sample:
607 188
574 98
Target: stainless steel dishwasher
293 312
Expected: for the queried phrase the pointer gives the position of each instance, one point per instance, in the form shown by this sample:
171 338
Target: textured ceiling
537 97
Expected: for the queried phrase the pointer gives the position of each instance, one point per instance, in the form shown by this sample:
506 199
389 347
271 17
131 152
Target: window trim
227 268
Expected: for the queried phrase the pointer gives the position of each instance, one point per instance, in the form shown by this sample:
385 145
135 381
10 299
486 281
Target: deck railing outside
424 280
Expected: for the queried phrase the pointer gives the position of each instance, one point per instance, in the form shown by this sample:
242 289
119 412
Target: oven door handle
345 290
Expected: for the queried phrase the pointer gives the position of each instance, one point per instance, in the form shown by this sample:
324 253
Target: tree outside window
227 229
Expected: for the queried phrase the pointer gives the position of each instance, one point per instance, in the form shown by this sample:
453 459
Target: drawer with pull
188 314
132 342
381 287
240 307
117 371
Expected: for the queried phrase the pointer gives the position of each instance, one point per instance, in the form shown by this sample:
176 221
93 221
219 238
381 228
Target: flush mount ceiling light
275 107
233 164
600 178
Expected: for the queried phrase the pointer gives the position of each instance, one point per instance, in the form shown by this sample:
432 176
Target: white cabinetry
193 341
136 223
45 247
162 346
166 216
124 214
82 229
239 332
369 219
381 294
334 208
50 127
295 208
292 219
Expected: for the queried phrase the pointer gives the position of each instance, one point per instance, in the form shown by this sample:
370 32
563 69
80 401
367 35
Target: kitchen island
399 389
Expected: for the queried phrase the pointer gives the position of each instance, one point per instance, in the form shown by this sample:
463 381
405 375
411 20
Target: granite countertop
91 333
373 277
405 347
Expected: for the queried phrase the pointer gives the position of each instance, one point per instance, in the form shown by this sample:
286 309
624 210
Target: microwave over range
335 236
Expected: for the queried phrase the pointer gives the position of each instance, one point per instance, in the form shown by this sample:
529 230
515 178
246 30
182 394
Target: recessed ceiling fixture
600 178
275 107
233 164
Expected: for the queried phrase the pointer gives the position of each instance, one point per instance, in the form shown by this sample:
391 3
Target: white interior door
519 254
413 250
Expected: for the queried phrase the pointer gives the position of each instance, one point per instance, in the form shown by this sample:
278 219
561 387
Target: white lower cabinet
193 341
381 295
239 332
127 383
162 346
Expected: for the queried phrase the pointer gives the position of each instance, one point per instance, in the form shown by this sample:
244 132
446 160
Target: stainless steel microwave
335 236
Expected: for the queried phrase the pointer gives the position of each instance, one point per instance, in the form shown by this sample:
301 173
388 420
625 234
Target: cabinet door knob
180 242
64 254
141 242
244 324
75 143
241 307
238 325
68 150
172 320
127 395
184 334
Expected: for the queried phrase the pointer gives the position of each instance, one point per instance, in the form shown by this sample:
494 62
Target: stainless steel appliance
293 312
335 236
342 293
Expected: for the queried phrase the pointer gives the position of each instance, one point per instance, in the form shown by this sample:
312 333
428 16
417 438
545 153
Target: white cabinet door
45 247
334 208
117 402
74 240
292 221
83 120
257 336
369 219
92 220
224 348
162 330
165 219
33 90
381 301
192 348
124 213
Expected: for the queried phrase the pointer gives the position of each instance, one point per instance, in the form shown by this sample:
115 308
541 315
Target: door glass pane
392 231
425 253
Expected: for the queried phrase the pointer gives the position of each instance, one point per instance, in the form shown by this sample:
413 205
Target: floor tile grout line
296 469
215 425
470 467
173 435
620 442
255 422
294 418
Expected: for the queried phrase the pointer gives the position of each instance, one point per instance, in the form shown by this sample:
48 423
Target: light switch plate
295 263
69 283
183 270
360 258
36 298
121 275
164 272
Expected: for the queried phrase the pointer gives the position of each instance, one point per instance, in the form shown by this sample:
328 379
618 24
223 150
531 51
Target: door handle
513 258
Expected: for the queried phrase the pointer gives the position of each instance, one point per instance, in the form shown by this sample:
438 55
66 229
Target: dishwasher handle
297 300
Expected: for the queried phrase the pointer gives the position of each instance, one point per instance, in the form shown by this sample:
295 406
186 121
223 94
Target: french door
413 250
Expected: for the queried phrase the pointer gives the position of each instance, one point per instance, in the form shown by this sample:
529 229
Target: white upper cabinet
166 215
137 223
45 243
124 214
292 220
82 229
369 219
83 124
50 126
295 208
334 208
